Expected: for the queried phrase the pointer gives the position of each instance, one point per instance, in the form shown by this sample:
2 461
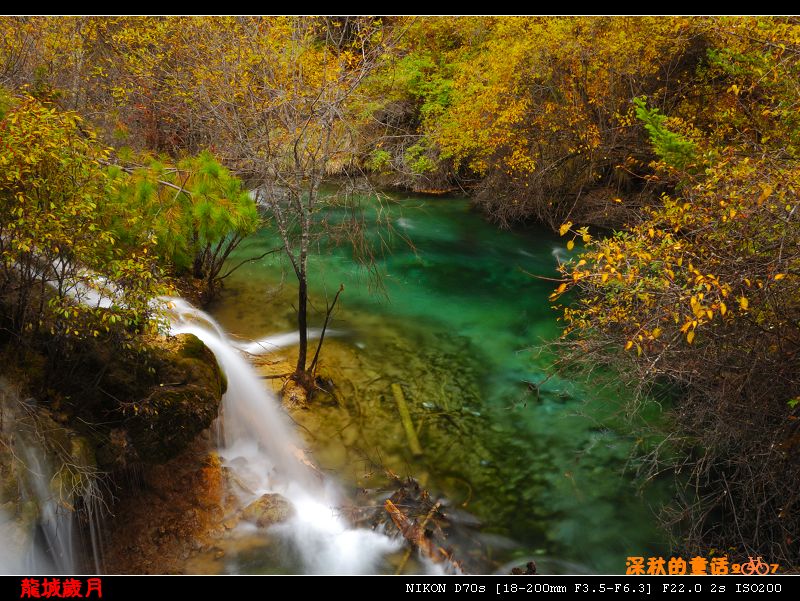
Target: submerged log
427 526
416 534
413 533
405 418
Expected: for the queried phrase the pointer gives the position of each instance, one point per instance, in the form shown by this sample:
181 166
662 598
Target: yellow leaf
780 276
697 308
744 303
656 333
723 308
587 238
570 245
690 337
629 345
561 288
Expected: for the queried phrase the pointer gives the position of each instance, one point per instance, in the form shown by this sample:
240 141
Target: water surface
456 322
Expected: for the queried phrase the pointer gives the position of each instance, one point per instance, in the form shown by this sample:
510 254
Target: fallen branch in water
276 376
301 456
422 526
417 535
405 418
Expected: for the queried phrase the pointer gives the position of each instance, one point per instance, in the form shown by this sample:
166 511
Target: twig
324 328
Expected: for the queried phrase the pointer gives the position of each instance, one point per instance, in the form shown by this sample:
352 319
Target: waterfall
50 547
40 532
259 445
11 560
55 520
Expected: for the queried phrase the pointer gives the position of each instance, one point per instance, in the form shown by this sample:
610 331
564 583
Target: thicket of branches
700 292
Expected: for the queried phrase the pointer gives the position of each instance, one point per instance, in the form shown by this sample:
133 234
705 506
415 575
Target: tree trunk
302 321
197 263
301 269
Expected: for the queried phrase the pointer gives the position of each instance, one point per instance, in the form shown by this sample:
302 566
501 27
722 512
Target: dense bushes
701 291
78 224
57 231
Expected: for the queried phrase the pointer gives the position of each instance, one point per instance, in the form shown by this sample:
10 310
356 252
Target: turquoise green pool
456 321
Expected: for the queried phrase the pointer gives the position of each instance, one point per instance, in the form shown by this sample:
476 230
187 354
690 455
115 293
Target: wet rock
183 403
117 449
176 509
528 570
231 523
268 510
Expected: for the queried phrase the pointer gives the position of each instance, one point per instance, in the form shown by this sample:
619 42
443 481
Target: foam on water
259 445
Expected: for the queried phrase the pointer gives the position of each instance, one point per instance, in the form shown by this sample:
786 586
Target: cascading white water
54 551
55 520
185 312
11 559
259 445
47 546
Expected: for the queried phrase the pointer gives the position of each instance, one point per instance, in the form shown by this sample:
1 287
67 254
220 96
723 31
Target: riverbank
74 436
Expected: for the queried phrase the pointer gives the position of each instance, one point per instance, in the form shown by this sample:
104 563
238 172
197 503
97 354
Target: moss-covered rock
183 402
268 510
99 410
142 403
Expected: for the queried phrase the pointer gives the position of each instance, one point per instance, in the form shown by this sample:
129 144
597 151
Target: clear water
455 323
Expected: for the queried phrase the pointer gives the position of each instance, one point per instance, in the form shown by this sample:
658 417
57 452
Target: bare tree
278 99
286 93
